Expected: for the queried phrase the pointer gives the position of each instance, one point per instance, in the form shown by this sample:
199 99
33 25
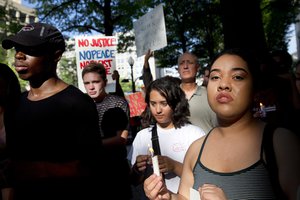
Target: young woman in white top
169 112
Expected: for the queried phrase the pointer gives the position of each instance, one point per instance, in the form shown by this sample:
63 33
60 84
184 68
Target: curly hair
169 88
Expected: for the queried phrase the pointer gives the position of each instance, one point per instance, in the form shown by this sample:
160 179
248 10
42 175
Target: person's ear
57 55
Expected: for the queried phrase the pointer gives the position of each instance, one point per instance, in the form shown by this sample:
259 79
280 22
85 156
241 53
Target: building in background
15 12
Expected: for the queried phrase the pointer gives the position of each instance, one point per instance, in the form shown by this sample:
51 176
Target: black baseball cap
35 35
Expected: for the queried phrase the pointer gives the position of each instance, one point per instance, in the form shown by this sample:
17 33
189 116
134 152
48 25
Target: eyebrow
233 69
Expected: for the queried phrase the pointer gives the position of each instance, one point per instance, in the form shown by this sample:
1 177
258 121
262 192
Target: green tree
9 24
105 17
277 17
67 70
201 26
191 26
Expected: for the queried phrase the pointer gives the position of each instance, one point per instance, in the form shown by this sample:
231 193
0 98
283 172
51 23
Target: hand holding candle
155 164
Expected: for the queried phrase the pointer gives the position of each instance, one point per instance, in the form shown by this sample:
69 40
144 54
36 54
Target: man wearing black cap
55 144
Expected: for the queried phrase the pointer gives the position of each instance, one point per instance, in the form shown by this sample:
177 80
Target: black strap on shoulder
271 163
155 142
269 148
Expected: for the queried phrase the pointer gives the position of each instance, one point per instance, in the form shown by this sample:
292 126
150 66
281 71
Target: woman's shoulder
142 137
197 143
194 150
144 132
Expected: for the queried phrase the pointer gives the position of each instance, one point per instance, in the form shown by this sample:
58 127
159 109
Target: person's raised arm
119 91
147 75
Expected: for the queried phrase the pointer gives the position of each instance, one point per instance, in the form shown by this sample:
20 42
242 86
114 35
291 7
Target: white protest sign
96 48
150 31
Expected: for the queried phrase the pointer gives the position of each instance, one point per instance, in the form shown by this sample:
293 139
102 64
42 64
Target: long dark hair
169 87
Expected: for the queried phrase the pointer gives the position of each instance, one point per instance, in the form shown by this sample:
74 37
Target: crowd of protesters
235 136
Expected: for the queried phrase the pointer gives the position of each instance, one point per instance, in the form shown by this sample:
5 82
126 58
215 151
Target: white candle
262 110
155 164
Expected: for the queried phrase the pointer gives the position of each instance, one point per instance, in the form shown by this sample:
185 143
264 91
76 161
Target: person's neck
48 88
189 88
232 126
168 125
101 97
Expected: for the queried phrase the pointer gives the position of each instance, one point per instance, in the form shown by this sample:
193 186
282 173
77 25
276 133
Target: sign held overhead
150 31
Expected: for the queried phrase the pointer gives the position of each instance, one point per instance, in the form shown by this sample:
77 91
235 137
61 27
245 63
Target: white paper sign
150 31
96 48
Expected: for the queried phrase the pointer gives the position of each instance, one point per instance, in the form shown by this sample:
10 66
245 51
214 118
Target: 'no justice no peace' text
104 55
99 42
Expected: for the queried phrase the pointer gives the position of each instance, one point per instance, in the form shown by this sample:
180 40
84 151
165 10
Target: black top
60 129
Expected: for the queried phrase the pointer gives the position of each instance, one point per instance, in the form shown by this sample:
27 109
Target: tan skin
205 77
235 143
188 67
162 113
95 88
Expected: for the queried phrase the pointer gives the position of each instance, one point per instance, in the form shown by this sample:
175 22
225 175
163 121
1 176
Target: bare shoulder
194 151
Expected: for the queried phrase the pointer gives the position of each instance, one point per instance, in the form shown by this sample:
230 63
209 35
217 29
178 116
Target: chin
94 96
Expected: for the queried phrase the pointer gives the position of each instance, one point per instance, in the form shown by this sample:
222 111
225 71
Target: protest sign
150 31
96 48
137 103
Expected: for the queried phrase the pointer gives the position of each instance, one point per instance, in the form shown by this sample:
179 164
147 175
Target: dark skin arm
147 76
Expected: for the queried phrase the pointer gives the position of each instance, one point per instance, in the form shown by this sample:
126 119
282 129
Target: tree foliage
278 15
67 71
8 25
106 17
193 25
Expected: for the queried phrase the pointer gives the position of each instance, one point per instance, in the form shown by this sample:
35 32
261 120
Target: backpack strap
155 141
155 144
